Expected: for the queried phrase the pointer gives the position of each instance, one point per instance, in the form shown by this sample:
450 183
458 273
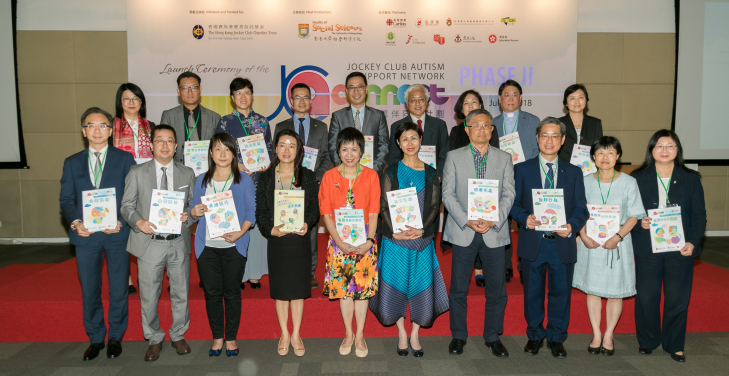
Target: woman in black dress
289 256
581 128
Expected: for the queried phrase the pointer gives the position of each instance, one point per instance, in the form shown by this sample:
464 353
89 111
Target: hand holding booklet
350 226
404 209
604 222
549 209
165 211
99 209
666 230
483 199
288 210
221 217
254 153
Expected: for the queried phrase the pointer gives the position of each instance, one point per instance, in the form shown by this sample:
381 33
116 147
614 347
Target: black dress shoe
594 350
532 347
509 275
419 353
132 290
644 350
93 351
255 285
402 352
679 358
607 352
456 346
114 349
498 349
243 286
480 280
558 350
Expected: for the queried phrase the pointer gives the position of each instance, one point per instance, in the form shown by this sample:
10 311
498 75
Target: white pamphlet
99 209
666 229
549 209
351 226
427 155
512 145
196 156
483 199
310 155
165 211
221 216
254 153
604 222
581 158
368 158
404 209
288 209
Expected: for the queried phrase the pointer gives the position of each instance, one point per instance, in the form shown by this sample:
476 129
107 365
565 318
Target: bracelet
372 240
621 238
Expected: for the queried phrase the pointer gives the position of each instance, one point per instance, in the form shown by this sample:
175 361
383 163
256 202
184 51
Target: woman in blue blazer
221 260
664 181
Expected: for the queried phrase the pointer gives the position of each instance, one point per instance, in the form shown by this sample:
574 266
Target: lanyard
129 124
250 122
551 183
604 199
96 176
224 184
189 131
350 194
485 158
503 123
664 186
281 181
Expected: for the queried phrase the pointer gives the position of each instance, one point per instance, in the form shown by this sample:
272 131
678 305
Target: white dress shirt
92 162
158 169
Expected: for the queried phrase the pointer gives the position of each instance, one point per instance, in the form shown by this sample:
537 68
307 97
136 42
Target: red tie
420 125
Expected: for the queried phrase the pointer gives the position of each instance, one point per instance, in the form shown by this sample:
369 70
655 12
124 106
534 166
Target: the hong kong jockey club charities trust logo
198 32
303 30
439 39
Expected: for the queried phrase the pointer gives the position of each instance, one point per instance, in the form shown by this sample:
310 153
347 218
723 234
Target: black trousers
493 267
676 276
507 255
221 270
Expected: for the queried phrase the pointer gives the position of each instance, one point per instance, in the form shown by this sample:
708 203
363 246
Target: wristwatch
621 238
73 224
372 240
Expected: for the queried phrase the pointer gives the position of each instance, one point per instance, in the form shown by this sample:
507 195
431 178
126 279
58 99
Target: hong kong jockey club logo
389 22
198 32
492 38
449 22
458 38
439 39
303 30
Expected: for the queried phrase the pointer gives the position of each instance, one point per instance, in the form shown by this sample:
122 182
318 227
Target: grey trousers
176 257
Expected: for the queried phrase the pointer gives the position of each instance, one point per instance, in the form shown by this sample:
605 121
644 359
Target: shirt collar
102 151
415 119
158 165
297 117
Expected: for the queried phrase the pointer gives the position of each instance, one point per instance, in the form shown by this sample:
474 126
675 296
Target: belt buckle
550 236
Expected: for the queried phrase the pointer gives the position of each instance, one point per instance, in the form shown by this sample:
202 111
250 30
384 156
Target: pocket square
184 186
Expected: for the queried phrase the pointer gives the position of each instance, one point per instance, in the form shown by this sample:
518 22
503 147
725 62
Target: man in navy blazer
435 132
554 251
101 166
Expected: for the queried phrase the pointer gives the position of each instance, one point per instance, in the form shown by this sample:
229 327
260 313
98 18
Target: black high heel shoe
594 350
416 353
402 352
607 352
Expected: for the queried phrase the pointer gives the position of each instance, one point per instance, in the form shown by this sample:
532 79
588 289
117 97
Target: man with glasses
435 132
479 237
101 166
544 250
368 120
190 119
154 251
313 134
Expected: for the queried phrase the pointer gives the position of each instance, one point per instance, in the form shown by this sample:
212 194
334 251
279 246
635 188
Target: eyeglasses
356 88
135 100
669 147
550 136
299 98
193 88
417 100
94 126
479 126
161 142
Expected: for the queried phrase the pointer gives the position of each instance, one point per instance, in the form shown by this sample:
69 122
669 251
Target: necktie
420 125
96 169
302 133
191 127
357 123
549 181
163 185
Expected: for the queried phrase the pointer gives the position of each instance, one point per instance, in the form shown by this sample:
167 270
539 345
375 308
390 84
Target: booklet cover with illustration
310 155
368 158
549 209
404 209
512 145
165 211
99 209
427 155
221 216
288 209
581 158
666 229
254 153
351 226
196 156
604 222
483 199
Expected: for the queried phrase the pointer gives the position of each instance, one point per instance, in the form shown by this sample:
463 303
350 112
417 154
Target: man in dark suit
190 119
101 166
313 134
368 120
554 251
435 132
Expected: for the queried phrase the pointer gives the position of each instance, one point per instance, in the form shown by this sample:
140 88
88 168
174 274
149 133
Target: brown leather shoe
314 282
181 346
153 352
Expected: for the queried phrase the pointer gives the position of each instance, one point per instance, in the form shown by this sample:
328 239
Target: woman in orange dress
351 272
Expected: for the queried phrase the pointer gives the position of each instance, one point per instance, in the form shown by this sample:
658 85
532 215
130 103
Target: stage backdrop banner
449 46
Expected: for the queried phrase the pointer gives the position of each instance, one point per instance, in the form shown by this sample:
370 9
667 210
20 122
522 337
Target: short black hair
573 88
161 127
509 83
239 84
137 91
349 135
355 74
188 75
96 110
605 142
407 126
458 108
300 85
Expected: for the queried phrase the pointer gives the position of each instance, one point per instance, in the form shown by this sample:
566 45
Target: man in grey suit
435 132
477 237
154 251
313 134
368 120
190 120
